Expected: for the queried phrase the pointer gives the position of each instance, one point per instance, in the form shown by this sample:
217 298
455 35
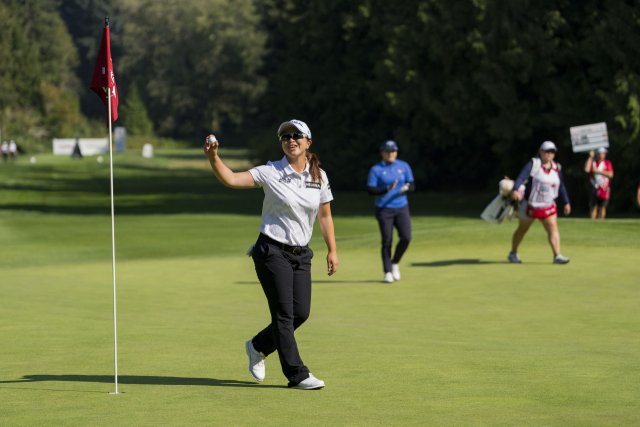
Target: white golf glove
404 188
250 250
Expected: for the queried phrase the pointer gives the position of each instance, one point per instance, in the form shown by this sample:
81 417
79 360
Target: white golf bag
501 207
499 210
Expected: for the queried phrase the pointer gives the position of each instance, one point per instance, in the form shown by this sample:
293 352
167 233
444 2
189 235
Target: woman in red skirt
538 185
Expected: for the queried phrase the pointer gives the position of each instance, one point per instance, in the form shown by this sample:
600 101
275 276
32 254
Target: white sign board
88 146
589 137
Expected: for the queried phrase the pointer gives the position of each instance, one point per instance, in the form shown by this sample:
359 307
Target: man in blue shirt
390 181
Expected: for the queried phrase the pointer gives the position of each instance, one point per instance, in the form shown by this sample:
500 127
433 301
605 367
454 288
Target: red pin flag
104 84
103 78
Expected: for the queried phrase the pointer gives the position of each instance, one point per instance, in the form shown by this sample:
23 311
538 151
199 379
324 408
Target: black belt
296 250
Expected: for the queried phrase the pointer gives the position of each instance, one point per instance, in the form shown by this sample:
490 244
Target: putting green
463 339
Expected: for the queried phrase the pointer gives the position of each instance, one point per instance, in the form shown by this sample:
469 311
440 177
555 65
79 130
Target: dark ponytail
314 167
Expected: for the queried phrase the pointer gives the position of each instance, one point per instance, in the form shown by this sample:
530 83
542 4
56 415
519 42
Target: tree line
468 88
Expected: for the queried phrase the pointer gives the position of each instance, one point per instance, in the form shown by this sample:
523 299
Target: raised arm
589 162
238 180
326 226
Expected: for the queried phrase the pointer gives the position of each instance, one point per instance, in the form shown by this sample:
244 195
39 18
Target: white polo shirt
291 201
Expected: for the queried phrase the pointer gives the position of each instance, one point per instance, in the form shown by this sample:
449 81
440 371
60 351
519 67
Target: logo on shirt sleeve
315 185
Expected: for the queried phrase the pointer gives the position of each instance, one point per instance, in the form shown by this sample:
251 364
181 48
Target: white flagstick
113 251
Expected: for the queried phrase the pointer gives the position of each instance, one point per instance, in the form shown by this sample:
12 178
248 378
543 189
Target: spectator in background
5 151
600 172
13 149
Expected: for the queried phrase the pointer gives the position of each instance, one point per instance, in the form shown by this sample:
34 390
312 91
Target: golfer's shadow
139 380
449 262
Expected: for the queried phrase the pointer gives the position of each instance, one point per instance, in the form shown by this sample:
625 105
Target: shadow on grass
449 262
138 379
320 281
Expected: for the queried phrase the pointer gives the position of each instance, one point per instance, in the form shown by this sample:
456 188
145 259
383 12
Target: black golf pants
387 218
286 282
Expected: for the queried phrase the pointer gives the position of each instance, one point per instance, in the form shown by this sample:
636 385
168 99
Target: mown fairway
463 339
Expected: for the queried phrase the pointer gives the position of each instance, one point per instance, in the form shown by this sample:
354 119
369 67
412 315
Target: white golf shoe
514 258
311 383
559 259
388 278
256 362
395 271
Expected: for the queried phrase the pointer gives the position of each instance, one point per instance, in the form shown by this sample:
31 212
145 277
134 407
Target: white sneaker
514 258
311 383
256 362
559 259
395 271
388 278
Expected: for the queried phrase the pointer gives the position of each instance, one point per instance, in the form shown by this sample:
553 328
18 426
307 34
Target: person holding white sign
601 173
542 181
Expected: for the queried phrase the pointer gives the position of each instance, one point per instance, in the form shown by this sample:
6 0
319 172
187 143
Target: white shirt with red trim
545 187
599 180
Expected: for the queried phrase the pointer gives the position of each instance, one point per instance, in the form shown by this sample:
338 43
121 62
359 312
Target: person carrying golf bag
543 184
296 191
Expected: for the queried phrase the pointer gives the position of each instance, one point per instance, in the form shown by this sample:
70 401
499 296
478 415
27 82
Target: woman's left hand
332 262
567 210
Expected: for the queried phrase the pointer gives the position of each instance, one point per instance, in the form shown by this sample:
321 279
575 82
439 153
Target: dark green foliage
469 89
196 62
37 83
85 21
134 114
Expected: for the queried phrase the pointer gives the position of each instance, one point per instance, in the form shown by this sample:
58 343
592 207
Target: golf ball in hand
212 139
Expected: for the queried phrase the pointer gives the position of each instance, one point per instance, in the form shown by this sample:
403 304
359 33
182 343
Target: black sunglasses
287 136
550 151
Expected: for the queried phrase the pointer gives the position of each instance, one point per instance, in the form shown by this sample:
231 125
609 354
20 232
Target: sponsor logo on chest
315 185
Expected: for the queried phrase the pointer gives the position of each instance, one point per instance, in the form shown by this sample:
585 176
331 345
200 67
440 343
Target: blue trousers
387 218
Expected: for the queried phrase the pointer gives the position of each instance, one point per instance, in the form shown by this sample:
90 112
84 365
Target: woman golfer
296 191
389 181
543 184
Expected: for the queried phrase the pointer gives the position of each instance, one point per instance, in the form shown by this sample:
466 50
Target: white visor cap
301 126
548 145
602 150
